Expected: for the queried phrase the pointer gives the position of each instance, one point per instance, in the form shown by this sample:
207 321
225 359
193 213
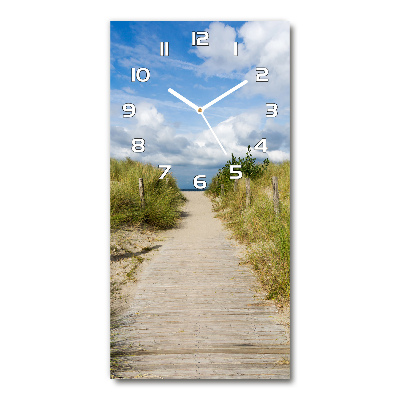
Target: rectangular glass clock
200 199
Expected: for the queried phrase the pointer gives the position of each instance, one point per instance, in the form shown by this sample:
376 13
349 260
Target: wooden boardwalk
196 313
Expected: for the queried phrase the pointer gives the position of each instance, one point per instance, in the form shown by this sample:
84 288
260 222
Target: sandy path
196 313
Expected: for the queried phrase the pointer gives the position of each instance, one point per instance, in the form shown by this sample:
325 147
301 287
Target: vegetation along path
196 312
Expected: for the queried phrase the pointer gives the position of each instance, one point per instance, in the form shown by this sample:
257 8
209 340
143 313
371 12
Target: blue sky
174 133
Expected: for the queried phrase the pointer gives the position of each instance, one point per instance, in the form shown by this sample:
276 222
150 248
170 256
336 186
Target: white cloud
165 146
149 116
219 54
264 44
278 156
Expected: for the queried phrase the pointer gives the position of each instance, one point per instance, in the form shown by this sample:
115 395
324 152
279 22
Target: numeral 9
129 108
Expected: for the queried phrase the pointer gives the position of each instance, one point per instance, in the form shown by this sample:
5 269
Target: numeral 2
261 75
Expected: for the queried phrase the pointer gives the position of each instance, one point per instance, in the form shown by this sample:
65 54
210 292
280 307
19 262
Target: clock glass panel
200 199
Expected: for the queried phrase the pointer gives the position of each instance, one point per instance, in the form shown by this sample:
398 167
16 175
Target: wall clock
186 95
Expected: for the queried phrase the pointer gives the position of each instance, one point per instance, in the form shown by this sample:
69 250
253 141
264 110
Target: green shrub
163 198
266 234
249 169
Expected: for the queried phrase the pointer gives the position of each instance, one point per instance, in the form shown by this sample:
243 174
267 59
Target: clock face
187 95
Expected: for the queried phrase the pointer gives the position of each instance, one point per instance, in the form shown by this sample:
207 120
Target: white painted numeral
167 168
199 184
130 109
262 145
261 75
235 48
164 48
138 145
197 39
239 173
136 74
271 112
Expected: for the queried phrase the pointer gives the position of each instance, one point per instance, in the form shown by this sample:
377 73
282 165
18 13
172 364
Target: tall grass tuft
266 234
162 196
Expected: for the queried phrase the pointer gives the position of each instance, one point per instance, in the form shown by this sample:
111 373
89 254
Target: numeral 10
135 74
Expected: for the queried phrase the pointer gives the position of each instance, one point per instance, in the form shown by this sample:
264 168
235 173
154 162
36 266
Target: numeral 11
164 48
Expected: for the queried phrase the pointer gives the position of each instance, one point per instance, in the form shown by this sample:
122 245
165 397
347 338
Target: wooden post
276 194
235 185
248 194
222 189
141 192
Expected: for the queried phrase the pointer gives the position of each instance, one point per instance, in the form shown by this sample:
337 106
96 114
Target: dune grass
265 233
163 198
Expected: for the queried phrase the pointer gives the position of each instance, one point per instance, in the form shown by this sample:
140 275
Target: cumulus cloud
278 156
261 44
165 146
148 116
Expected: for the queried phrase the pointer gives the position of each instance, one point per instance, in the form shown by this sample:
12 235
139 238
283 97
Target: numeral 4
262 145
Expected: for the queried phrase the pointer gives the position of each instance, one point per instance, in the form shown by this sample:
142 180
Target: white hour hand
184 99
224 95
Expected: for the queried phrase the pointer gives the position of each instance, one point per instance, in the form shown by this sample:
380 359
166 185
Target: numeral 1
197 41
235 48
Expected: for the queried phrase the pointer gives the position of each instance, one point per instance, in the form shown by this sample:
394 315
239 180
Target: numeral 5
232 171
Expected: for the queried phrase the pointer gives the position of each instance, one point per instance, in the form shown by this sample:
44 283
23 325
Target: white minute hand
184 99
224 95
